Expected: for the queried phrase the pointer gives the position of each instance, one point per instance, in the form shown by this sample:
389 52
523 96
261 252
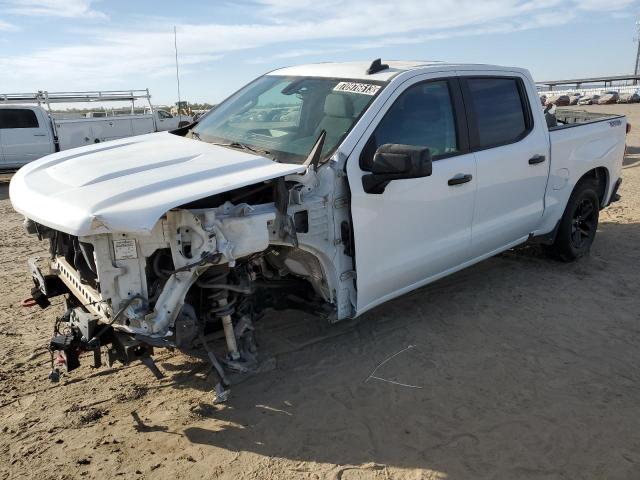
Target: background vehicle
28 132
574 98
632 97
559 100
378 180
589 100
608 98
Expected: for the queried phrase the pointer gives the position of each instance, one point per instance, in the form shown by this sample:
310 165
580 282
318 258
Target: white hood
127 185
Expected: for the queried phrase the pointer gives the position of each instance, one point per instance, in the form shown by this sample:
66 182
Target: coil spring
219 292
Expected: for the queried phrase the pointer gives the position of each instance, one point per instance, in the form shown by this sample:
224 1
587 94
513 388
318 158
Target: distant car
559 100
574 98
608 98
632 97
589 100
258 117
291 116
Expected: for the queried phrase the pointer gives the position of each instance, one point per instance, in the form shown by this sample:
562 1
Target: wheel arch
601 175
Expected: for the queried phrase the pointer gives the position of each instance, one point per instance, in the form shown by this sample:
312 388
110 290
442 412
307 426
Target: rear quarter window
500 110
17 118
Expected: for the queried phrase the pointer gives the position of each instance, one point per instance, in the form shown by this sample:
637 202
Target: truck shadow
5 178
4 190
632 157
503 367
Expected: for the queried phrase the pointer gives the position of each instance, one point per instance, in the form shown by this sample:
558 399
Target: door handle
39 134
460 179
537 159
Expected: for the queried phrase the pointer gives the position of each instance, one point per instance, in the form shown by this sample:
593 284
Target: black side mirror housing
396 162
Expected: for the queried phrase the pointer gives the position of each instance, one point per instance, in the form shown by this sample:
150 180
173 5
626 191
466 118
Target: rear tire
579 223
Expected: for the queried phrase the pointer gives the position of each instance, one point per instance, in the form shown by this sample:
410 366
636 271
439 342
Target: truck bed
568 118
599 139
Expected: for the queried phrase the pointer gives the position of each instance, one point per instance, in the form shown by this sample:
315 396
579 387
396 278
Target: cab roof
358 70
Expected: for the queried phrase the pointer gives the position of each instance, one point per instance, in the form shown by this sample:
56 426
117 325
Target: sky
60 45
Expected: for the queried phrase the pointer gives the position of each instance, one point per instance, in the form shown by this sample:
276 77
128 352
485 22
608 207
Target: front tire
579 223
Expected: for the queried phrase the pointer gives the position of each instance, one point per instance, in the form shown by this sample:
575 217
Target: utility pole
175 45
637 39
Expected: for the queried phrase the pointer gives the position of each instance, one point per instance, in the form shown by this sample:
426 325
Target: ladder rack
47 98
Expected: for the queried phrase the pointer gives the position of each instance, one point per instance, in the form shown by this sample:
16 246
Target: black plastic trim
614 197
460 180
546 238
377 66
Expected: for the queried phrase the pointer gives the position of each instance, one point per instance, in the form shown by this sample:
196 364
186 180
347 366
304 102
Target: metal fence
590 91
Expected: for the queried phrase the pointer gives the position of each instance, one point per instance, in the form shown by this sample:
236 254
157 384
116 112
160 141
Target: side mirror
396 162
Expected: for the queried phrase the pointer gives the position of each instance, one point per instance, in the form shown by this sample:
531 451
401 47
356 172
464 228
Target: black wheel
579 223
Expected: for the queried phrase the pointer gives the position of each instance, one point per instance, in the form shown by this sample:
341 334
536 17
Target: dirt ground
519 367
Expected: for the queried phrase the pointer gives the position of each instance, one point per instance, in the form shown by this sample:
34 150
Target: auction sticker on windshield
355 87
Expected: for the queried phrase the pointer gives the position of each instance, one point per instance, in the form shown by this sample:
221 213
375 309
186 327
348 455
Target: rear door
512 155
26 136
416 229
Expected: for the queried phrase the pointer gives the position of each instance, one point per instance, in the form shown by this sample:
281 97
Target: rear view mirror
396 162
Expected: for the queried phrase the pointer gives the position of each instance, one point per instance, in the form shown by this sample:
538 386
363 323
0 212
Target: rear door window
498 109
17 118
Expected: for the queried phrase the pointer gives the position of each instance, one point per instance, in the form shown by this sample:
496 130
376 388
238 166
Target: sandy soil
523 368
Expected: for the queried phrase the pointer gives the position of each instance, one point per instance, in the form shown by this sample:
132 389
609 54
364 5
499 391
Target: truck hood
127 185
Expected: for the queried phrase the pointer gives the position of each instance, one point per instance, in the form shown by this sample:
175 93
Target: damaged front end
204 274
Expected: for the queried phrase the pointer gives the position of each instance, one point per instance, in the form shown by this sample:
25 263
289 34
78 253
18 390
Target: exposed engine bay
202 277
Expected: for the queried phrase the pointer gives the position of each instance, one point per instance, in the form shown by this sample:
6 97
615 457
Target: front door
416 229
24 137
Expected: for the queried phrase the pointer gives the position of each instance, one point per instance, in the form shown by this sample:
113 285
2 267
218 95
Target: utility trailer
30 129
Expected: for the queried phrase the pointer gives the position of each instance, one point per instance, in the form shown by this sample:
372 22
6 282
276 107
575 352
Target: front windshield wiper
243 146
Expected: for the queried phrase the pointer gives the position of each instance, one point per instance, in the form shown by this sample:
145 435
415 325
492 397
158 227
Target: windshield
282 117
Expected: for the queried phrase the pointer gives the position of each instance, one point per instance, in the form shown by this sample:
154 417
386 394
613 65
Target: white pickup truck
330 188
29 132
